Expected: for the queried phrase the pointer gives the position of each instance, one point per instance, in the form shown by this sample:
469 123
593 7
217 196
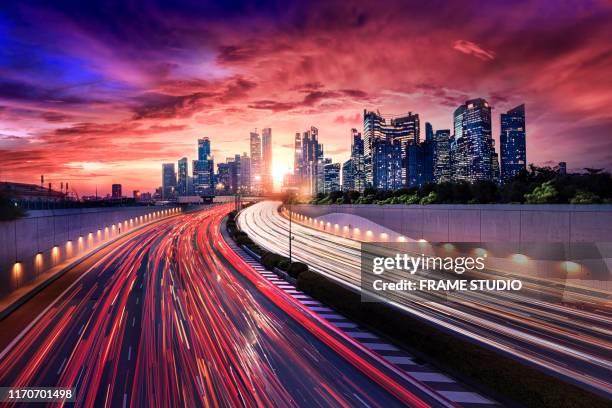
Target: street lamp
290 222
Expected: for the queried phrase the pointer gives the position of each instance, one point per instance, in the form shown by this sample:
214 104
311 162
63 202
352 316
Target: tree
544 194
585 197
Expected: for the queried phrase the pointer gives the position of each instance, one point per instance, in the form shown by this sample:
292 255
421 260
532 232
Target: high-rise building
256 179
458 121
416 165
204 149
357 162
348 174
319 175
183 177
331 177
244 169
441 159
203 177
404 129
513 143
168 181
266 161
387 160
224 178
203 169
235 181
116 191
297 158
473 146
308 154
429 133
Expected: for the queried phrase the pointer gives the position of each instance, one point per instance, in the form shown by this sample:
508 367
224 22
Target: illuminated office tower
358 176
331 180
168 181
203 169
256 178
348 181
182 186
309 157
473 148
441 159
512 139
266 161
403 129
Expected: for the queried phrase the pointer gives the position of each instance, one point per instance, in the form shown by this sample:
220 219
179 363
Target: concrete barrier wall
483 223
46 238
501 230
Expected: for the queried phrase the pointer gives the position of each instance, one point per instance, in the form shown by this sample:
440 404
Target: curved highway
172 317
573 344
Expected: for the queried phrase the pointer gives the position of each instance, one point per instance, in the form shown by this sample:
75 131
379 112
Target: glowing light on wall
570 267
480 252
520 259
401 238
38 261
17 272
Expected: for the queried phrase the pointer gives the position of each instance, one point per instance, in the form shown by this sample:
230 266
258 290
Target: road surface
571 343
170 317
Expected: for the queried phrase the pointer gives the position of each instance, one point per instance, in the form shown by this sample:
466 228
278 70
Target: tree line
535 185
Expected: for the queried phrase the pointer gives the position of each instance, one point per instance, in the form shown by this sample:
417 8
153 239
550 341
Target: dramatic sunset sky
102 93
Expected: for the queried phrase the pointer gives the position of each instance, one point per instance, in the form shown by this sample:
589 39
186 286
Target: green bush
296 269
585 197
270 260
284 264
430 198
544 194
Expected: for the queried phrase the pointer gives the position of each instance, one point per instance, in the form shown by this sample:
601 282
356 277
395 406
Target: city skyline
93 105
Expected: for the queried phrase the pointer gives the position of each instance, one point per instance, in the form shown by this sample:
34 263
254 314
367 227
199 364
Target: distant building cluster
242 174
390 154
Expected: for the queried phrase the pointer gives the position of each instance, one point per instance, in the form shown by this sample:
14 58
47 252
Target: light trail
570 343
172 317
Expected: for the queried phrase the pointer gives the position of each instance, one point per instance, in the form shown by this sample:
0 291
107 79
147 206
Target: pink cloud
471 48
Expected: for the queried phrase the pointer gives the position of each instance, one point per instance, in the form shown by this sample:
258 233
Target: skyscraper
358 176
309 153
256 179
473 147
203 169
387 160
348 173
404 129
266 162
331 177
441 159
183 177
319 172
429 133
204 149
416 165
297 157
512 143
224 178
168 181
244 183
